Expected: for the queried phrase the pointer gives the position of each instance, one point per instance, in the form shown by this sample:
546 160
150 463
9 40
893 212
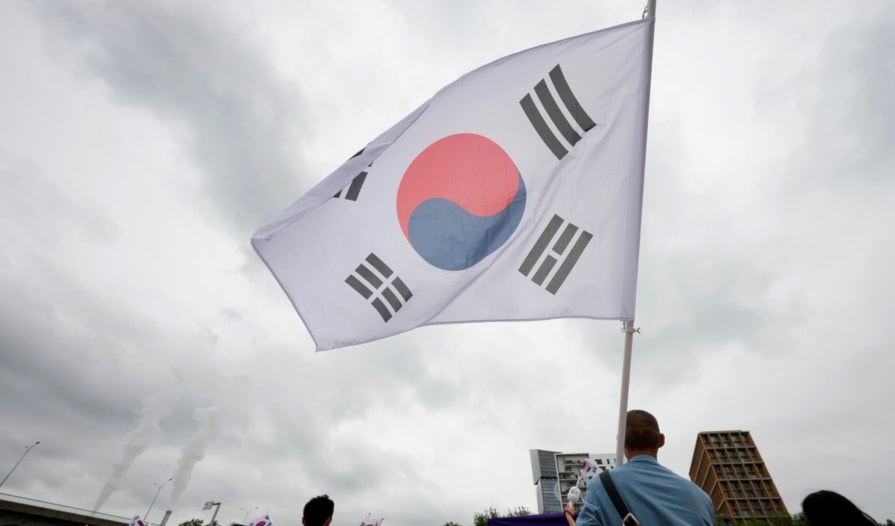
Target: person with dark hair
825 507
318 511
650 493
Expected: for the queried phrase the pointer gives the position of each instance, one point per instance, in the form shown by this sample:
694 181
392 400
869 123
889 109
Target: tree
518 511
481 519
197 522
782 520
451 523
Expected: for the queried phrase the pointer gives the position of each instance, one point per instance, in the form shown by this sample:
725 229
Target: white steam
155 408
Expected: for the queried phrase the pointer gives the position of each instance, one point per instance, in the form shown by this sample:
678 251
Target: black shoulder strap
613 494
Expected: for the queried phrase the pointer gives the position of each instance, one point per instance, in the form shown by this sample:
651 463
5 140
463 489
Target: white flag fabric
137 521
370 521
514 193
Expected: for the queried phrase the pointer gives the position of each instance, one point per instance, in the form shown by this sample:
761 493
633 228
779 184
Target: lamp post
27 449
217 507
244 519
160 486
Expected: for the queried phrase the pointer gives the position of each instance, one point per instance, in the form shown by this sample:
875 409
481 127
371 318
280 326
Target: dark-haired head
318 511
825 507
642 435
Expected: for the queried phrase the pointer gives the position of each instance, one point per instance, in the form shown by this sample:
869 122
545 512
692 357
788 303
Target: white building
555 473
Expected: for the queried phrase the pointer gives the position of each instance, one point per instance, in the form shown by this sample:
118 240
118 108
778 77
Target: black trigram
559 253
375 281
352 189
551 106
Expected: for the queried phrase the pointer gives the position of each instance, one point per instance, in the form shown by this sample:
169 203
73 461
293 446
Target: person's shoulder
700 494
685 482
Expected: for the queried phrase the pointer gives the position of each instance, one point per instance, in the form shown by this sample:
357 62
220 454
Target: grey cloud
40 212
836 99
190 64
34 368
854 97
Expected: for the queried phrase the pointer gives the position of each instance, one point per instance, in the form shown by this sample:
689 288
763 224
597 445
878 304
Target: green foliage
197 522
795 520
783 520
452 523
786 520
518 511
481 518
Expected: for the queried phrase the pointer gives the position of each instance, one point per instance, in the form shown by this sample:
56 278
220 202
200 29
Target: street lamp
160 486
217 507
27 449
244 519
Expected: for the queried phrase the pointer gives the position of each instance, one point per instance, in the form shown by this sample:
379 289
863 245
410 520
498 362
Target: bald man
653 494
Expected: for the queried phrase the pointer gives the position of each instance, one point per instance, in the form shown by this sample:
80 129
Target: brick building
728 466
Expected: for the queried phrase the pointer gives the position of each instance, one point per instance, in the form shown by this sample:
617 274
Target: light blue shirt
653 493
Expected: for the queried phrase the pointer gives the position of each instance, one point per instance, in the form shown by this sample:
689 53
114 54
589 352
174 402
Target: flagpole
629 330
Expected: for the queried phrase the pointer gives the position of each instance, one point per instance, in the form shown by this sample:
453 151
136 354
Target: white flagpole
629 330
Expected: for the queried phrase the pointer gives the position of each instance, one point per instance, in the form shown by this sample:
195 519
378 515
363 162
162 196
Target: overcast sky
142 143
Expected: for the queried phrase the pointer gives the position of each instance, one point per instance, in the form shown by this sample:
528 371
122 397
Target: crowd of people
642 492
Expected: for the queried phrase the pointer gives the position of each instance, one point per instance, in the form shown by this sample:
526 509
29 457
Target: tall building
728 466
543 471
555 473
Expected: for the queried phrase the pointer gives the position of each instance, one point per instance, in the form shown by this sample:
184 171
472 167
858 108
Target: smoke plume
209 419
155 408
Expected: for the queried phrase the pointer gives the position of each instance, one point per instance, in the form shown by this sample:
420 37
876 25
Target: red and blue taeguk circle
460 200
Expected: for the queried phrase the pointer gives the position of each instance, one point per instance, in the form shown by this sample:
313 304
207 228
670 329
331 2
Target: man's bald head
642 433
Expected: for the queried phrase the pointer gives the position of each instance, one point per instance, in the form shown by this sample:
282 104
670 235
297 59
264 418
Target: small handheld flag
263 521
590 469
370 521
